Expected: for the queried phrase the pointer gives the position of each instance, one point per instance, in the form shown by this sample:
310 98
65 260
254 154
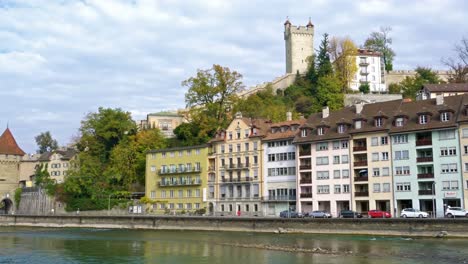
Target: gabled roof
8 144
67 154
446 87
289 133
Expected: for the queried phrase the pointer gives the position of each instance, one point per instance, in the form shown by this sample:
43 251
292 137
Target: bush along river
81 245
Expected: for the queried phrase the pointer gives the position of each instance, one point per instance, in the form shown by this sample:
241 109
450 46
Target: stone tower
299 42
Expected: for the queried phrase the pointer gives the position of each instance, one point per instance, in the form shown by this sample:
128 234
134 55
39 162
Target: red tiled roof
8 144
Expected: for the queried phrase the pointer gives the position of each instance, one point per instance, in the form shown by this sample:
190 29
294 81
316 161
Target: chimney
359 107
439 99
325 112
288 116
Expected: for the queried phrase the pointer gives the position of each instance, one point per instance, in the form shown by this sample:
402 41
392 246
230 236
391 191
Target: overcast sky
62 59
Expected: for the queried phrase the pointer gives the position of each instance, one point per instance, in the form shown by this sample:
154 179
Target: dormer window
357 124
378 122
320 131
254 131
444 116
304 132
341 128
399 122
423 119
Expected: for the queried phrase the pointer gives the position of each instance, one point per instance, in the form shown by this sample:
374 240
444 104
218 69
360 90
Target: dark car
350 214
378 214
290 214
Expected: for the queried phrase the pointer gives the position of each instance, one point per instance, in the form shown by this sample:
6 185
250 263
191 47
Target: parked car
290 214
453 212
350 214
411 212
319 214
378 214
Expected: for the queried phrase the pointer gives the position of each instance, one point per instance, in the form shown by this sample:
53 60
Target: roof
165 113
8 144
262 127
288 133
67 154
446 87
368 52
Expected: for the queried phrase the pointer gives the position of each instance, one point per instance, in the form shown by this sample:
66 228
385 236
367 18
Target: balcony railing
304 152
306 195
279 198
360 148
424 159
179 170
237 166
237 179
305 167
364 72
211 168
361 194
423 142
180 183
360 163
360 179
363 63
240 198
425 175
426 192
306 180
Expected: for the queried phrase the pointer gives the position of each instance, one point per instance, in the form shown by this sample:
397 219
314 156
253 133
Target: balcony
361 194
304 152
360 179
180 171
305 167
364 72
211 168
425 175
424 159
424 142
280 198
306 195
306 181
426 192
363 63
360 148
237 166
180 183
361 163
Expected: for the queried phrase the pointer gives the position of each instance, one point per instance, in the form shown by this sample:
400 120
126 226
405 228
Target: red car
378 214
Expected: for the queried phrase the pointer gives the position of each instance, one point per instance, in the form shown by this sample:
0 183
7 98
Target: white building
280 167
370 70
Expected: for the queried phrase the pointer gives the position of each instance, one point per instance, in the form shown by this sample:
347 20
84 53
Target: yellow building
235 163
176 179
58 162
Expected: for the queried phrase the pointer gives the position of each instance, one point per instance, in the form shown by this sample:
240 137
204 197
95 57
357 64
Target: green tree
329 93
324 66
364 88
45 142
42 179
381 41
411 85
211 95
394 88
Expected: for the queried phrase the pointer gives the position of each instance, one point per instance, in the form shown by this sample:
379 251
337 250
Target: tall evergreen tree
324 66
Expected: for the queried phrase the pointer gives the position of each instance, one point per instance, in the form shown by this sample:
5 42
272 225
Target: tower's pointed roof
8 144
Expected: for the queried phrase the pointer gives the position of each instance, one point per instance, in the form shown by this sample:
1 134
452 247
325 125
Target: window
238 147
336 159
230 135
385 171
423 119
322 146
446 134
466 167
323 175
386 187
323 189
171 154
341 128
403 187
448 151
255 145
449 185
153 195
320 131
401 155
465 148
163 154
344 144
384 140
336 174
344 159
197 193
404 170
181 153
376 187
376 172
465 132
246 133
303 132
384 155
181 194
337 188
400 139
322 160
163 194
336 145
345 173
449 168
171 194
153 168
374 141
246 146
378 122
345 188
375 156
444 116
399 122
357 124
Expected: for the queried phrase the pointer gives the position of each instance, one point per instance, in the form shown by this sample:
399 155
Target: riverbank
385 227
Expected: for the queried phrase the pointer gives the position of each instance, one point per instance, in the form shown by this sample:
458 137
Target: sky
62 59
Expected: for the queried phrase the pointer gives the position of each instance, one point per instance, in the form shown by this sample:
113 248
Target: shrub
18 193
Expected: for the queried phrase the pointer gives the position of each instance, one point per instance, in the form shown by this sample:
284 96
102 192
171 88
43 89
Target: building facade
431 91
176 179
58 162
166 122
370 71
299 42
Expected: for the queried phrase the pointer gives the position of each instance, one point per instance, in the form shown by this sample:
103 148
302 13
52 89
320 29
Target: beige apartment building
58 162
166 122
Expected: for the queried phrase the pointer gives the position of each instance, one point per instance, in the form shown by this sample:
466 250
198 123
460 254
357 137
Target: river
45 245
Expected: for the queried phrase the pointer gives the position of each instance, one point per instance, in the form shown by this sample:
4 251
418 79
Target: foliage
343 52
458 65
394 88
188 134
380 41
329 92
324 66
411 85
91 204
42 179
364 88
210 97
45 142
17 197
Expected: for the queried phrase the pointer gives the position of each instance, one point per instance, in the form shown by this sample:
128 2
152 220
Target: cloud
62 59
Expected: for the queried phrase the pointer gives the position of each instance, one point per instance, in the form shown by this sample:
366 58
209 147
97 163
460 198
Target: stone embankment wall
390 227
36 201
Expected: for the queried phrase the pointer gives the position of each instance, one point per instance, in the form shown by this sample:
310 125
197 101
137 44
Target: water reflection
27 245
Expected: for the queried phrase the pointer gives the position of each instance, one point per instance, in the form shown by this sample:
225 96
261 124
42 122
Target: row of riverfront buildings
387 156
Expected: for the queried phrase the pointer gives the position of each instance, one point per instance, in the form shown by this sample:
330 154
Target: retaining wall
390 227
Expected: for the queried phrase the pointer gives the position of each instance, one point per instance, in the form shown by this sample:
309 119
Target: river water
43 245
